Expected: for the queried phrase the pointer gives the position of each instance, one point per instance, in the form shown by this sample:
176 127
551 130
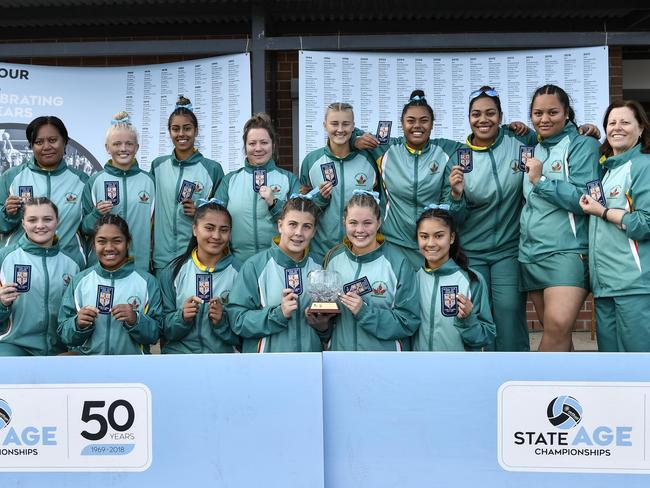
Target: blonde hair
339 107
121 121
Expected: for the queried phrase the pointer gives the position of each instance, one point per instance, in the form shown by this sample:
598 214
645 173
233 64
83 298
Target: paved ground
581 341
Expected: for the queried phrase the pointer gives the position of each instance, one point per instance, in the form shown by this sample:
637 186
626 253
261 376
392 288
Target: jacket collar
496 142
615 161
121 272
115 171
193 159
32 248
282 259
569 130
368 257
450 267
417 152
60 168
268 166
331 155
222 264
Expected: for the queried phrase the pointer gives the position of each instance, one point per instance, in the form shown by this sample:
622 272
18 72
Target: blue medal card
595 190
525 152
448 302
360 287
329 173
22 277
259 179
465 160
186 191
293 279
383 131
105 299
25 193
204 287
112 192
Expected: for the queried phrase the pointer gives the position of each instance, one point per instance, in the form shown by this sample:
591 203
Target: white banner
379 84
87 98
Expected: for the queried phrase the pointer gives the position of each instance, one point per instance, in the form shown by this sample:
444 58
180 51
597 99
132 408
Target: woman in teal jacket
48 175
553 244
268 301
111 308
380 303
196 286
455 309
337 171
619 231
181 178
256 193
122 188
34 273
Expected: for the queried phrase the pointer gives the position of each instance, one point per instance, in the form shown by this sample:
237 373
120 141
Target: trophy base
330 308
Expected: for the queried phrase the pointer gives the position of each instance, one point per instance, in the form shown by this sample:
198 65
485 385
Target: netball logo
5 414
564 412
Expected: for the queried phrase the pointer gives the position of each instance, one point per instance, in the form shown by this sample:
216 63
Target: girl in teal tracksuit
122 188
269 298
619 232
181 178
553 242
255 194
337 171
455 308
111 308
380 303
46 174
34 273
196 286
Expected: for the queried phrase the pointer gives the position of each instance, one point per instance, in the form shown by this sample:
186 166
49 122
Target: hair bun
183 102
120 118
417 93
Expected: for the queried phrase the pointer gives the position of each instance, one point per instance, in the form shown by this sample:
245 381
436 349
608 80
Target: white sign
87 98
586 427
379 84
93 427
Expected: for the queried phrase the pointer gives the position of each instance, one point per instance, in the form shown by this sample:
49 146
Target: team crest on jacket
293 279
276 188
67 278
379 289
22 277
144 197
434 167
514 166
198 187
70 197
360 179
556 167
614 192
204 286
134 302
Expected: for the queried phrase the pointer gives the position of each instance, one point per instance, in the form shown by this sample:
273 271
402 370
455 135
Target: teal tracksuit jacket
63 186
30 322
390 314
104 289
133 194
552 220
194 279
172 228
254 306
442 330
356 171
254 222
619 256
412 180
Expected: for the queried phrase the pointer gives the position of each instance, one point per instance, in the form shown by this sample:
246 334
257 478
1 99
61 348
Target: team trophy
324 287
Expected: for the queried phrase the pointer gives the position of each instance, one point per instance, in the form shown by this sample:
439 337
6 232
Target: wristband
604 215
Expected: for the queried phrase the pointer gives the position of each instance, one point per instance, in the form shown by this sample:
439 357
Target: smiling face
623 129
548 115
417 125
122 146
259 146
48 147
212 232
484 120
361 227
339 126
183 134
434 240
296 231
111 246
39 222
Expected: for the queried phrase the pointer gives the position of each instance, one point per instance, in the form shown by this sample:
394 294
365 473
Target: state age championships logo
25 442
565 414
5 414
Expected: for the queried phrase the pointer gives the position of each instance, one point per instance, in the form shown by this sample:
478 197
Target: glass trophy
324 287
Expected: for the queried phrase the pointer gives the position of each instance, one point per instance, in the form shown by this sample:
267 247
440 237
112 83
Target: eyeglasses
490 93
